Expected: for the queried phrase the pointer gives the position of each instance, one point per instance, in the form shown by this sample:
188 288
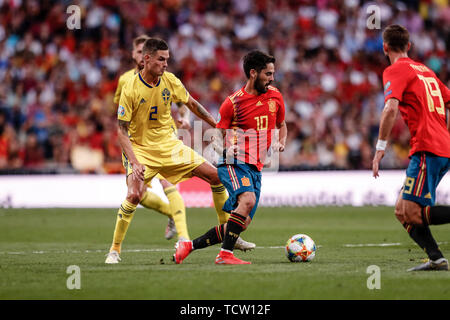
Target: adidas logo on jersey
142 101
259 103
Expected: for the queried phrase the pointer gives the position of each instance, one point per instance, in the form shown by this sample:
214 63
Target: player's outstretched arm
183 121
282 136
388 117
218 139
200 111
125 143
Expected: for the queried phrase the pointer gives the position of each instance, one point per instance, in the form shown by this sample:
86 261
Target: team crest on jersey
165 95
272 106
245 181
121 111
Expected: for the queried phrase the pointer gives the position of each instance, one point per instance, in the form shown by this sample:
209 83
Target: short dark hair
140 39
257 60
154 44
396 37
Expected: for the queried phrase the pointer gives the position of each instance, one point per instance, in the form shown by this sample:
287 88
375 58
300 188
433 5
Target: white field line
105 251
372 245
84 251
381 244
350 245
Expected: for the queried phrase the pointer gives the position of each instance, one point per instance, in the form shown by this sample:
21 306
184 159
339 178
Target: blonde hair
140 39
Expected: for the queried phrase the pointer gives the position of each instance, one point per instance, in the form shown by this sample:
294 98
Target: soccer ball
300 248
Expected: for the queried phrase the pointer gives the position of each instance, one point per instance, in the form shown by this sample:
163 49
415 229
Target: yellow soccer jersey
122 80
148 109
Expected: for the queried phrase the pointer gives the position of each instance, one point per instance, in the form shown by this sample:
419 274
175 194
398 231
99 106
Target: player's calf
246 202
409 211
234 227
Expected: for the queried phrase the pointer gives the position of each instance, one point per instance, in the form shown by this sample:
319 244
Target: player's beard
140 65
260 86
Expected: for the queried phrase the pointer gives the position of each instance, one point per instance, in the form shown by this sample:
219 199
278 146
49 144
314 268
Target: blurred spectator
56 85
33 152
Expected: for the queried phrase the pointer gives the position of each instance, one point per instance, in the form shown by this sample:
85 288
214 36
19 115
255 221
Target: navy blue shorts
423 175
239 178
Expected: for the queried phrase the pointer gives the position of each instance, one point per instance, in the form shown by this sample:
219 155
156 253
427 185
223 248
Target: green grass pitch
38 245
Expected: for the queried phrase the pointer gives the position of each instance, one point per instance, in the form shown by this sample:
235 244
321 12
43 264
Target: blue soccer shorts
239 178
423 175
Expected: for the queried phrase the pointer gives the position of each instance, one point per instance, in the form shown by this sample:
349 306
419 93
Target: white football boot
438 265
112 257
171 230
243 245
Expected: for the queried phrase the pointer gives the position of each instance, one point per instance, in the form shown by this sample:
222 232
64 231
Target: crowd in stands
57 84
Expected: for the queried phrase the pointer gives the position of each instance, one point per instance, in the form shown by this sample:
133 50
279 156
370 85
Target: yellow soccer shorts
171 160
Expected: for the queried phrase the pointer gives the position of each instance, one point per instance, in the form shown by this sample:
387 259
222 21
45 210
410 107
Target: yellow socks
178 211
151 200
124 217
219 197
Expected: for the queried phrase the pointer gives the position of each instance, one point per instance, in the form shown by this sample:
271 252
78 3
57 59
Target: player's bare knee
399 215
134 196
414 219
250 203
413 213
247 202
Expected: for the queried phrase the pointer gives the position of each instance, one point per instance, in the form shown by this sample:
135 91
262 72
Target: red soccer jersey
422 98
252 118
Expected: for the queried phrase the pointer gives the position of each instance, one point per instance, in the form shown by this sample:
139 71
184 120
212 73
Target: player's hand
138 171
183 124
277 146
232 152
379 154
